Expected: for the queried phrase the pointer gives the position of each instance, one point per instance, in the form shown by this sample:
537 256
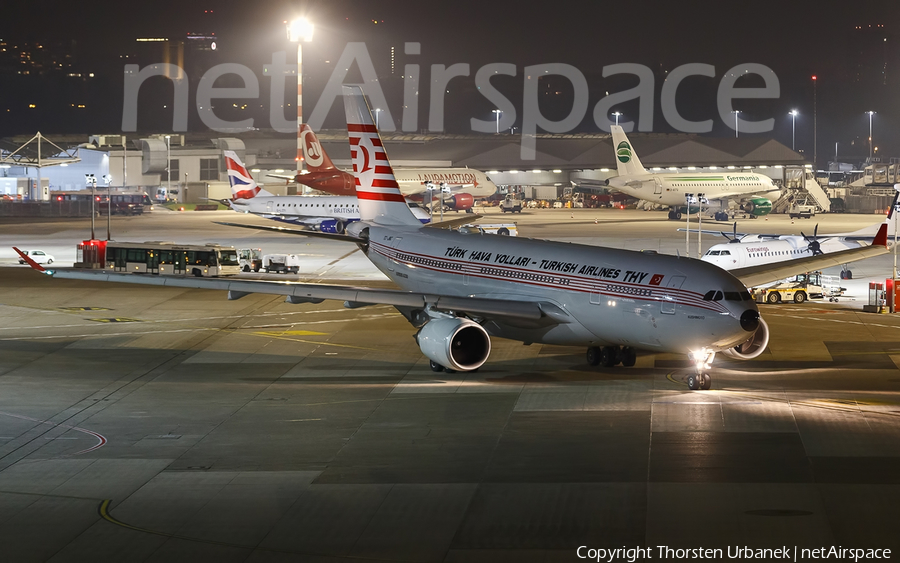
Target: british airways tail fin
627 160
315 156
243 186
376 187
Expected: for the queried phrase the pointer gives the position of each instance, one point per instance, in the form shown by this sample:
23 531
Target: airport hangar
561 159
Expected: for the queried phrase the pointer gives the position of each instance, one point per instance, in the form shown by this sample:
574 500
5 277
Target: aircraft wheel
849 275
436 367
671 215
799 297
705 382
629 356
503 231
609 356
773 298
678 215
593 356
693 382
50 261
246 268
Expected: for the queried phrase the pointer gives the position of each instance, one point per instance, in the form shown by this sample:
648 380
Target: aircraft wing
766 273
318 234
353 297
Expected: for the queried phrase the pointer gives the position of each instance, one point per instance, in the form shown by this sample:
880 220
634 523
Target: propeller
734 237
814 245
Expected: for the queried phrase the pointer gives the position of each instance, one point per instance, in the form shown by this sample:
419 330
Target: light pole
688 198
499 113
815 81
793 115
300 31
871 113
91 180
617 114
735 112
108 179
168 165
377 113
700 201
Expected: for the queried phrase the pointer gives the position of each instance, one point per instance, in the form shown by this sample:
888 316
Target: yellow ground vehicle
811 285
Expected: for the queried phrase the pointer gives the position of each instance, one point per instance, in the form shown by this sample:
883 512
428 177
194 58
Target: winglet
29 261
881 236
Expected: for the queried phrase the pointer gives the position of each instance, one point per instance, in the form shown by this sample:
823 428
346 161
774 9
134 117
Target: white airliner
670 189
750 250
462 185
460 289
328 214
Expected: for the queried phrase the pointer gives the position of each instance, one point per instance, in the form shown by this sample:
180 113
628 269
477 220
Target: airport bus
128 202
171 259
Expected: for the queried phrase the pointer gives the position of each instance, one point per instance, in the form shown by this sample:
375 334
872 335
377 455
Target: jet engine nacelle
333 226
455 343
460 202
753 347
758 206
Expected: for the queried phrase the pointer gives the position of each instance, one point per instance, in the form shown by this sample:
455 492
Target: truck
800 210
511 205
811 285
250 259
281 263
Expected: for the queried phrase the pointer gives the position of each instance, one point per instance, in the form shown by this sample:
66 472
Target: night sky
794 39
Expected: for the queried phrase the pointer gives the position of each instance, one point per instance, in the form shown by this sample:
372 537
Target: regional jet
673 189
461 289
457 187
328 214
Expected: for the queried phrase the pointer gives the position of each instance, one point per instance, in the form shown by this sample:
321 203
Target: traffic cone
595 221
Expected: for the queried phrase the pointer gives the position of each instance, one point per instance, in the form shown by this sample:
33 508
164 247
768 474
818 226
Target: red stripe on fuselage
376 196
361 128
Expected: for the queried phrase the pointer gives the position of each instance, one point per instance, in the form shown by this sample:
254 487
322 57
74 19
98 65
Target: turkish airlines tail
243 186
627 160
376 187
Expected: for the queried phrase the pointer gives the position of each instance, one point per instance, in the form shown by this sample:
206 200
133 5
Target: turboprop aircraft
671 189
745 251
461 289
328 214
457 187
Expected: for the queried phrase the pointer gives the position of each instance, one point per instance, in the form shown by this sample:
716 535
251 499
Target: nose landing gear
702 362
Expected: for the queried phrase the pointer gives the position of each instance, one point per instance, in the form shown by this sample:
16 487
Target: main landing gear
609 356
674 215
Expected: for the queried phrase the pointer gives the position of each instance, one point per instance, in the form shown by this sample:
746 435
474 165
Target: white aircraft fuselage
671 189
600 296
755 251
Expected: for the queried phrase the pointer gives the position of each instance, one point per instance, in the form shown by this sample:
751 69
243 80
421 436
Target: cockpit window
726 253
713 295
738 296
712 253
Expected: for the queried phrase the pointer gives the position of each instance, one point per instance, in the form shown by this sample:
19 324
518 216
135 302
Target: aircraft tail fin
627 160
316 158
376 187
243 186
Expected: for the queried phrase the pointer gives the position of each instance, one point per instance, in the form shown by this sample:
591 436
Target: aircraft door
667 307
270 206
657 186
595 295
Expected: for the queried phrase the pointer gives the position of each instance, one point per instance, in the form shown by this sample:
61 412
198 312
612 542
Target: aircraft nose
750 320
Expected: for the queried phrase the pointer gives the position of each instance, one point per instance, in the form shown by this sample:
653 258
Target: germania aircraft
328 214
750 250
460 289
670 189
463 184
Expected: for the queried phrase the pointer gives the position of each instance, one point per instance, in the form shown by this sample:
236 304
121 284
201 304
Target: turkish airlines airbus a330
461 289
